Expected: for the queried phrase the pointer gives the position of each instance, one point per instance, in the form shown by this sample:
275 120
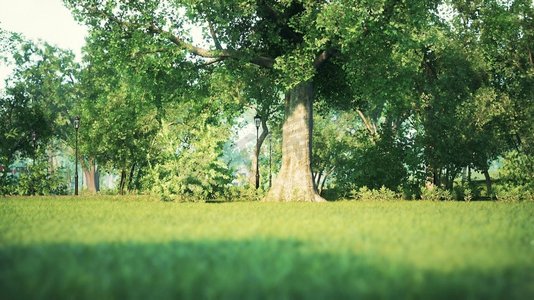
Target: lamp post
270 159
32 175
76 127
257 122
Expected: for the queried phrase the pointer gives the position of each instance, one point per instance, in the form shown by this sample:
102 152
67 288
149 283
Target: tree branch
141 53
213 34
261 61
188 46
530 57
213 61
323 56
370 127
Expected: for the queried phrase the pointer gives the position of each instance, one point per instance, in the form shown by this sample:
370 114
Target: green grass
101 248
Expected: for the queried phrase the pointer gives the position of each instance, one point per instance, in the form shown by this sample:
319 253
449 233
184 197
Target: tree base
281 193
295 180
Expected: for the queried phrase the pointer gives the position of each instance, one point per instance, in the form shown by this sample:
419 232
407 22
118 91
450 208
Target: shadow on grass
250 269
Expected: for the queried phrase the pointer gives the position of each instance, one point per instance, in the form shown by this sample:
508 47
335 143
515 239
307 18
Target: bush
242 193
512 194
468 195
517 171
434 193
365 194
411 190
39 181
463 193
8 184
189 172
517 178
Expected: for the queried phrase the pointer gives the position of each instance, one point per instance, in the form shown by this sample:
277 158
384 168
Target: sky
46 20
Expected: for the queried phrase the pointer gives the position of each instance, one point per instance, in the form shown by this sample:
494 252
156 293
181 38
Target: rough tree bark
295 180
487 178
122 181
261 139
131 177
92 177
323 182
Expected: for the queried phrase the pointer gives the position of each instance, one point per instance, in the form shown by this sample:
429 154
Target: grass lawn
102 248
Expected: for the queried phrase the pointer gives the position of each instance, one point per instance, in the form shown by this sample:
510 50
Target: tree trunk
488 182
468 174
451 176
295 179
317 179
130 179
464 175
92 177
122 182
257 150
430 179
322 183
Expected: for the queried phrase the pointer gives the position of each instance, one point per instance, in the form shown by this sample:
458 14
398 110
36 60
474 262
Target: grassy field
102 248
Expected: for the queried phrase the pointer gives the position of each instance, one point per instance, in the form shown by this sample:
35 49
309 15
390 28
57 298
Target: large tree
293 38
36 101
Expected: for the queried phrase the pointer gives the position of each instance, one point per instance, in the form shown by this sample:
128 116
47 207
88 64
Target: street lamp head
77 122
257 121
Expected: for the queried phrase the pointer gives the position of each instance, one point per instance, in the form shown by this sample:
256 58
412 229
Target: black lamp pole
76 127
270 159
257 122
32 176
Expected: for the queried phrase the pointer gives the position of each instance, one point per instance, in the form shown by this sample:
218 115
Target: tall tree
295 38
37 100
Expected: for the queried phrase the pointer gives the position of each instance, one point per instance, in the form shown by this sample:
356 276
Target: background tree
36 102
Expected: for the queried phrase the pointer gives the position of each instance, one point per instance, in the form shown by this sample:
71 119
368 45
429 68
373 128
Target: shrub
463 193
382 194
39 181
193 171
434 193
242 193
517 178
517 171
411 190
468 195
512 194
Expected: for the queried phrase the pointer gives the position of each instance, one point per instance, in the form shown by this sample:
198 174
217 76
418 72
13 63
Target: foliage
131 247
518 170
37 99
382 194
434 193
337 144
514 193
245 193
467 195
291 39
353 157
188 163
517 177
8 183
38 180
464 193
